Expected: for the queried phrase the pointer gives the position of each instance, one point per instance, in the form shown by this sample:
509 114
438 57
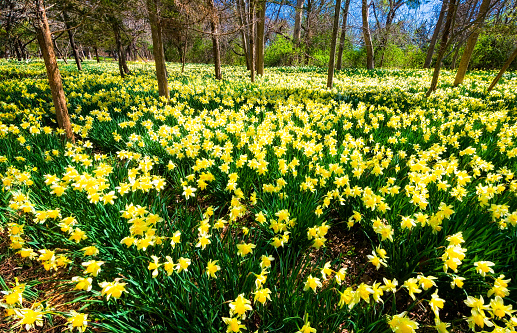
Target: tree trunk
343 36
17 51
308 32
96 53
451 13
54 77
72 42
471 43
385 35
367 36
59 53
22 50
436 32
158 52
252 39
297 33
330 75
184 56
505 67
122 64
261 22
215 40
241 15
455 56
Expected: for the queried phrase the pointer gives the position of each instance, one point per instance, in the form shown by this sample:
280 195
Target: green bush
279 53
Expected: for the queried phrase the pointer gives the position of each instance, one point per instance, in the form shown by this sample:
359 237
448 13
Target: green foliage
492 50
280 53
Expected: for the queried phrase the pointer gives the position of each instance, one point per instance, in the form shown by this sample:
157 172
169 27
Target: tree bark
252 39
158 52
308 32
72 42
471 43
297 33
261 22
505 67
215 40
241 15
343 36
59 53
330 75
367 36
96 53
54 77
451 13
434 38
122 64
385 34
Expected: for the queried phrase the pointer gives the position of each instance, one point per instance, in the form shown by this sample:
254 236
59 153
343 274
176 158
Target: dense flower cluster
214 191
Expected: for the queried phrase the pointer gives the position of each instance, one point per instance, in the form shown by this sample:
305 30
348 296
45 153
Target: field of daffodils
274 206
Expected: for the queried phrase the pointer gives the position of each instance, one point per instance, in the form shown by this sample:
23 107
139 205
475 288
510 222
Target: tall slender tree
261 20
158 52
444 43
54 76
214 25
366 35
343 35
436 33
330 75
471 42
72 41
501 72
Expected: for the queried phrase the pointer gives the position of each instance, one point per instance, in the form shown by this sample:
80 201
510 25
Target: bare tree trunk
308 32
96 53
184 52
17 51
59 53
505 67
215 40
159 55
471 43
22 50
451 13
252 39
385 35
343 36
455 56
367 36
241 15
122 65
330 75
72 42
54 77
297 33
434 38
261 20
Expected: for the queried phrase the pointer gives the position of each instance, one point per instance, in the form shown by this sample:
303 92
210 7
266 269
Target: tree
54 77
159 55
367 36
444 43
261 19
501 72
72 41
214 18
297 32
343 35
330 75
436 33
471 43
